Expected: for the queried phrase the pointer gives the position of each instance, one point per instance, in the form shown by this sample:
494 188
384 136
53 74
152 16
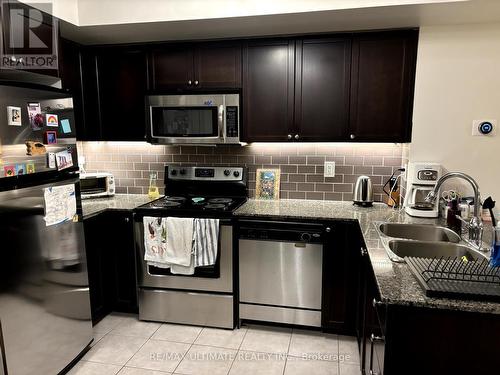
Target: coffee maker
421 180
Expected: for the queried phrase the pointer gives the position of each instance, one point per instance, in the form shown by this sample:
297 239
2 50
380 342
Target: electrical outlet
329 169
484 127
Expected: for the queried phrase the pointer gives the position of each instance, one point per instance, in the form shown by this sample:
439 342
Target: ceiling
123 21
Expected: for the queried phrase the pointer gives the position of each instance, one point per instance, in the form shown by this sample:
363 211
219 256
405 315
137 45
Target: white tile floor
126 346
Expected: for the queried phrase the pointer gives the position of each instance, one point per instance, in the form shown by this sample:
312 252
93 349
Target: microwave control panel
232 129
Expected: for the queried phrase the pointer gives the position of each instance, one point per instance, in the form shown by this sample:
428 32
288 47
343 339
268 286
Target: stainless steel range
206 297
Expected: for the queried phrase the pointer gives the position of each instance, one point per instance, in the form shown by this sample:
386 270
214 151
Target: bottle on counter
495 249
153 191
452 221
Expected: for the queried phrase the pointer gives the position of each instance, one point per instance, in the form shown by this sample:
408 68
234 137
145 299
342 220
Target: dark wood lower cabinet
411 340
109 243
341 259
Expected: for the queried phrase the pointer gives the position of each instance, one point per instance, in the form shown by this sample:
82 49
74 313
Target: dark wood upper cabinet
218 65
122 78
172 68
322 89
197 66
268 90
382 83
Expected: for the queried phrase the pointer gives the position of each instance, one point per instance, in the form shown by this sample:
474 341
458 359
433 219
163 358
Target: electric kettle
363 192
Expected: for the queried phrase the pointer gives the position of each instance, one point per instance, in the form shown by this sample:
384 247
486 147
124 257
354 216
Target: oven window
209 272
184 122
93 185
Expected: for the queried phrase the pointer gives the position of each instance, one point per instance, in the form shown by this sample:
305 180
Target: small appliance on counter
97 185
422 179
363 192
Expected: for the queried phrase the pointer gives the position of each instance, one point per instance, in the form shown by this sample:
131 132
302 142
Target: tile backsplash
301 165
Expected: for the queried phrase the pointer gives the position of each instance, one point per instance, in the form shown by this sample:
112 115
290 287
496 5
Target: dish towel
179 249
206 241
155 242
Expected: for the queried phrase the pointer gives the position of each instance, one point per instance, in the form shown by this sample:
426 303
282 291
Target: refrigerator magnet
51 120
35 116
66 126
9 170
14 116
64 160
20 169
50 137
30 168
35 148
51 159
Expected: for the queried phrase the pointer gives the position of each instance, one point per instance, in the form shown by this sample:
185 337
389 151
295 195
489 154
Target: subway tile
306 169
382 171
296 195
297 177
324 187
333 196
149 158
297 160
263 159
347 196
164 158
188 150
180 158
339 178
135 190
305 186
344 169
121 190
318 160
196 158
290 186
315 178
134 158
142 182
373 160
133 174
213 159
248 159
392 162
279 160
315 195
365 170
342 188
288 168
354 160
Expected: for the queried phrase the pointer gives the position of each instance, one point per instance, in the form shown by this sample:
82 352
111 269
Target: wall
301 165
458 81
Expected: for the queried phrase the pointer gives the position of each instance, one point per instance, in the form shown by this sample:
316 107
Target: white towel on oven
179 249
206 241
155 241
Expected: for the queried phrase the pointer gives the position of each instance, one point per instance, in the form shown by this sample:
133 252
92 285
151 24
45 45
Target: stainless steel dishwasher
280 272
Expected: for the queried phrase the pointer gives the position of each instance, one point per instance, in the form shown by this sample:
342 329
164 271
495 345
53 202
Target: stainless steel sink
419 232
428 249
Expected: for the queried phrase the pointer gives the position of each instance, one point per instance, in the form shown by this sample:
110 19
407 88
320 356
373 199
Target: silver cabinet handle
374 338
190 82
353 136
196 83
364 252
220 118
373 372
127 219
289 136
328 229
376 303
297 137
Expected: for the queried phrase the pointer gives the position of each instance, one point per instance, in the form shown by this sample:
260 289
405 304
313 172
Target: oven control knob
236 174
305 237
174 172
227 172
182 171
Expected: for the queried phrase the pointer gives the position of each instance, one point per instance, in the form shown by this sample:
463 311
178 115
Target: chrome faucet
475 224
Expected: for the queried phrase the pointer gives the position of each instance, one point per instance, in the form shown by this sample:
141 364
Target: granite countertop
396 283
93 206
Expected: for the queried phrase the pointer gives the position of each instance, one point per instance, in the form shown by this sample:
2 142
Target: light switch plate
476 124
329 169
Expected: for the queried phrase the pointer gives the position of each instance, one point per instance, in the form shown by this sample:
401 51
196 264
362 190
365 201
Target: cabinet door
122 77
322 89
122 247
341 261
218 65
268 89
172 68
383 74
70 72
91 116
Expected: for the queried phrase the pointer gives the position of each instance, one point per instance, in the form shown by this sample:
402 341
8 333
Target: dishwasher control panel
289 232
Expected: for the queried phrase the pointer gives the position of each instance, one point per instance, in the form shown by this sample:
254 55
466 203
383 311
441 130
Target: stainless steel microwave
194 119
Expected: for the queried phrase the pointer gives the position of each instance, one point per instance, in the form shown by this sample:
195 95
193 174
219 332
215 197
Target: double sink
424 241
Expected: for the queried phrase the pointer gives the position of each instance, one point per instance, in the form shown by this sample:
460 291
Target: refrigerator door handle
3 360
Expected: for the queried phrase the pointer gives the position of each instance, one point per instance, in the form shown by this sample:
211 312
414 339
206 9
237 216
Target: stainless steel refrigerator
45 319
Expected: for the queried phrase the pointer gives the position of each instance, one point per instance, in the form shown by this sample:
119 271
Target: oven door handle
220 119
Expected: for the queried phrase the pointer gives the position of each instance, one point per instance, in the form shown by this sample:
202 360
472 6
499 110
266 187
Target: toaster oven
96 185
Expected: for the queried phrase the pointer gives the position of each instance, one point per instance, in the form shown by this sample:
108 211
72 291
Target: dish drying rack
456 278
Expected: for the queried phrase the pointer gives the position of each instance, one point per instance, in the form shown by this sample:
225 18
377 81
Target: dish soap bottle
452 221
153 191
495 250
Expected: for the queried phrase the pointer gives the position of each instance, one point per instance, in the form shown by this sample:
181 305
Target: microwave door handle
222 131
